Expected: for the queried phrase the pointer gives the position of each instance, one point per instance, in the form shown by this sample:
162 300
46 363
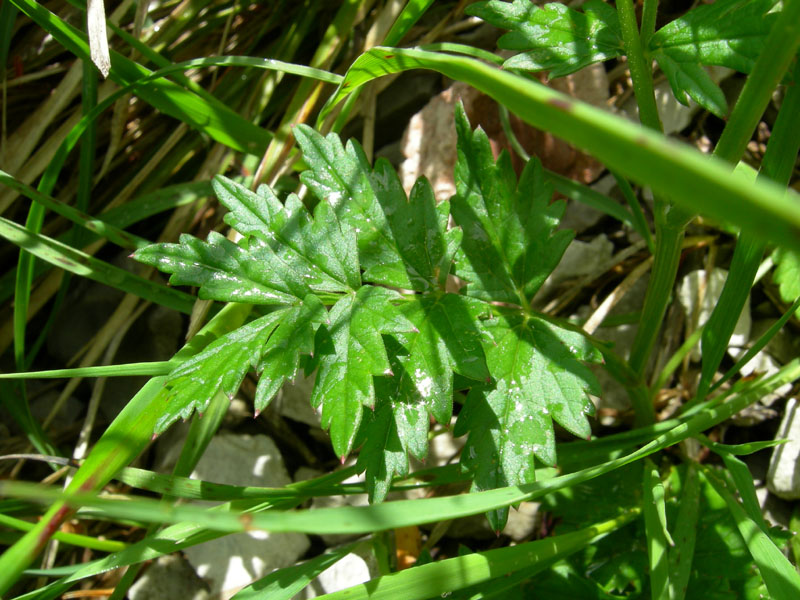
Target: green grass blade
97 226
784 142
758 346
686 176
391 515
79 263
203 428
640 223
74 539
743 483
782 579
412 12
682 554
739 449
717 331
146 368
172 539
441 578
284 584
121 442
655 526
586 195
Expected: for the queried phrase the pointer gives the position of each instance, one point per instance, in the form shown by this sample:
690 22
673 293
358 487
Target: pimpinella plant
360 283
358 291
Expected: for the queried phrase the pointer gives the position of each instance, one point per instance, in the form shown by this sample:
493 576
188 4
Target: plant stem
649 12
669 239
641 71
669 233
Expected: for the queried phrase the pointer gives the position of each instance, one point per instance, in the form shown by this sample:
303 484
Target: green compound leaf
320 249
447 340
419 227
350 352
272 344
342 178
690 80
510 243
539 379
554 38
290 259
787 273
727 33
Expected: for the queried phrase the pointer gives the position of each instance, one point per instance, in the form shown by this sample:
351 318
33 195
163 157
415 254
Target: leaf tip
387 373
256 413
154 437
342 459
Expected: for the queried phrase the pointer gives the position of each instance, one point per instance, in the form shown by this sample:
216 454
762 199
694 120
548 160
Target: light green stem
641 71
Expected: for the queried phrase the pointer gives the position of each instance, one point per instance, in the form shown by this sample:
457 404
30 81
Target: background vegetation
195 90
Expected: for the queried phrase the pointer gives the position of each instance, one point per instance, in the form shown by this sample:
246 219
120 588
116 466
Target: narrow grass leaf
73 539
131 369
655 525
758 345
79 263
592 198
285 584
743 483
442 578
97 226
780 576
739 449
681 555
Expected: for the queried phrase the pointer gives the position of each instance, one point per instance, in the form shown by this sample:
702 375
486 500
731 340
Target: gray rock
168 578
783 477
293 400
234 561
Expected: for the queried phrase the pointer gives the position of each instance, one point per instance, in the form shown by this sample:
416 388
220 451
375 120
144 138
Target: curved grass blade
145 368
85 265
682 554
284 584
686 176
121 442
391 515
655 526
97 226
442 578
74 539
782 579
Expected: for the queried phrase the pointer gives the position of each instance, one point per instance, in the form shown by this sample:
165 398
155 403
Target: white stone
674 116
691 288
783 476
349 571
234 561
